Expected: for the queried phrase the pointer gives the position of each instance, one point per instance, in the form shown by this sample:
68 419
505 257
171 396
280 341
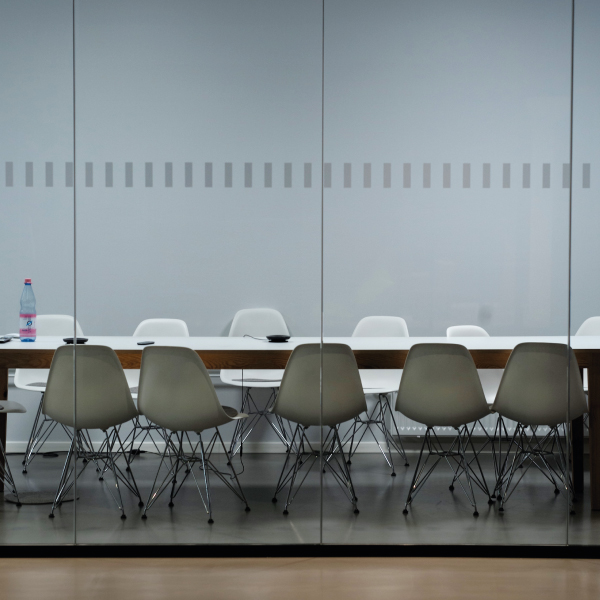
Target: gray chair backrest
440 386
299 397
103 397
176 391
533 390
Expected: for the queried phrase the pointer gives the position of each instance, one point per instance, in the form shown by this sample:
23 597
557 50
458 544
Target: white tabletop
356 343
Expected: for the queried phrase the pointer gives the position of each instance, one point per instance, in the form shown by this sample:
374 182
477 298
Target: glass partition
36 242
583 526
199 137
446 133
393 187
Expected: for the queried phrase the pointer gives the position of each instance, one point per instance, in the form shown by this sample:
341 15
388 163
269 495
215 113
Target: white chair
180 375
534 393
8 407
103 401
258 323
490 378
299 401
383 384
34 380
149 329
440 388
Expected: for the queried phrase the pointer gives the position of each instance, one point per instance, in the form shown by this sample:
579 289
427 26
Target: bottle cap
28 281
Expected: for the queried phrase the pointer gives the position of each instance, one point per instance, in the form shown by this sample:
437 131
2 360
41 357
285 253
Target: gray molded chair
383 384
258 323
299 401
9 407
149 329
533 392
440 387
103 401
192 407
34 380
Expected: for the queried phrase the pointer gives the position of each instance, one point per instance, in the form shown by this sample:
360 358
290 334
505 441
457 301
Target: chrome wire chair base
177 459
456 458
375 421
6 475
41 430
133 443
303 455
105 459
544 452
244 427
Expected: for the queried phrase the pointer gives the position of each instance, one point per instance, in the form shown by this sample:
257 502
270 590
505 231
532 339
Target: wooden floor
299 578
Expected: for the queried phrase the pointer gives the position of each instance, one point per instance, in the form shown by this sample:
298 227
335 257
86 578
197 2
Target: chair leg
206 481
63 488
413 484
6 474
234 474
40 432
155 492
113 468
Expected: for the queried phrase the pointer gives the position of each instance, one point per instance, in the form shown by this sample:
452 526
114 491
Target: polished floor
300 578
534 514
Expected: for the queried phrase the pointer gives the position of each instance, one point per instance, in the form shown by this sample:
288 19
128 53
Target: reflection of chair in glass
299 401
34 380
179 375
440 388
383 384
256 322
150 328
103 401
9 407
534 393
490 380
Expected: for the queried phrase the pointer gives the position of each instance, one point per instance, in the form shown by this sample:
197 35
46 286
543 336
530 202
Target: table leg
577 451
594 424
3 396
577 454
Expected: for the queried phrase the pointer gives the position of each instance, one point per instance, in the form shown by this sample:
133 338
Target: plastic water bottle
27 329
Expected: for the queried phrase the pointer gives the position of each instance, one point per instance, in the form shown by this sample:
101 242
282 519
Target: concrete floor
534 514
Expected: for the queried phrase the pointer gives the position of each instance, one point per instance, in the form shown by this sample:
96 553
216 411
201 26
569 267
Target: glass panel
446 138
199 140
583 526
36 241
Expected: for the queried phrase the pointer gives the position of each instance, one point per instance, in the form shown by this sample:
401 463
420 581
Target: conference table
370 353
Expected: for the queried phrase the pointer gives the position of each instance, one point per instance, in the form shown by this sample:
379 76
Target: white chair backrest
52 325
533 390
258 322
466 331
440 386
299 397
490 378
103 397
57 325
162 328
176 391
590 326
381 327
